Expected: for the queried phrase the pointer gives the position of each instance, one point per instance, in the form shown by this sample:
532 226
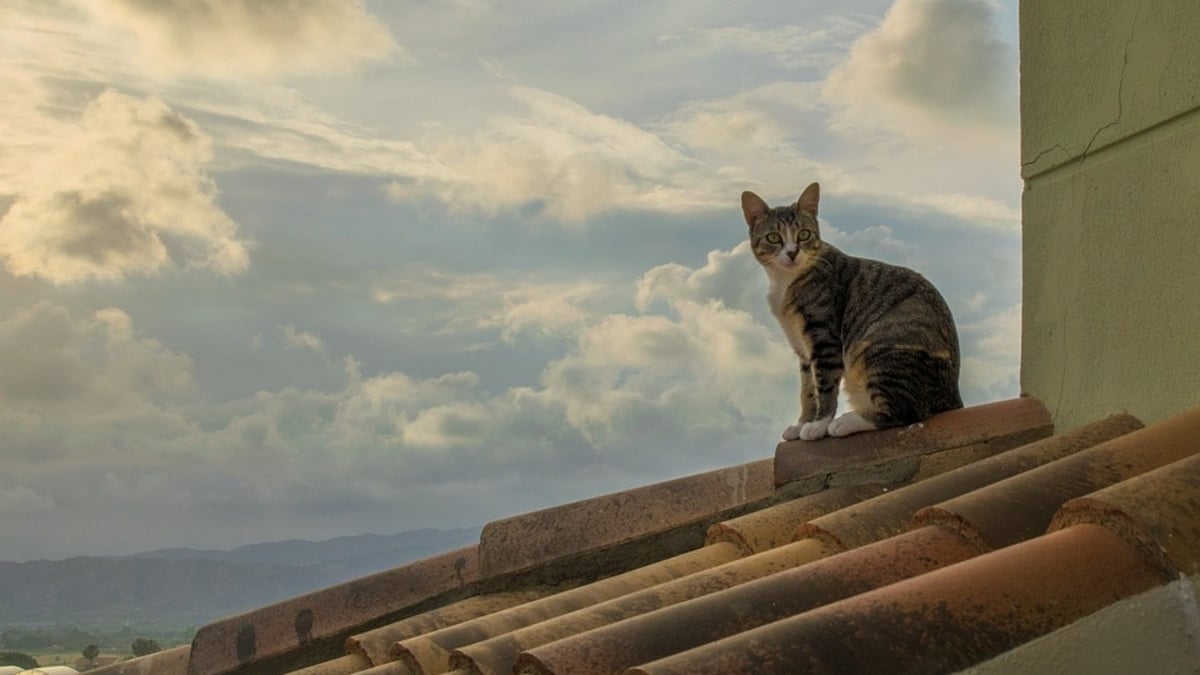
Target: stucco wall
1110 145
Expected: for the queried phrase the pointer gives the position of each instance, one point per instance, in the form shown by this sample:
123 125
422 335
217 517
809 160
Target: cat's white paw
810 430
849 423
793 432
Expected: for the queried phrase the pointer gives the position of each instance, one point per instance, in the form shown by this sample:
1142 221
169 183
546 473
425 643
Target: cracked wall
1110 146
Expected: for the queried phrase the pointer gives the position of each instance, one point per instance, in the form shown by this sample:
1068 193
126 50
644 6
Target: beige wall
1110 145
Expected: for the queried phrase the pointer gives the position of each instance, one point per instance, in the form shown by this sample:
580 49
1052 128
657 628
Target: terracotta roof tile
173 661
312 627
390 668
375 646
1022 506
874 519
696 622
889 514
343 665
1158 510
896 455
773 526
431 651
497 654
941 621
532 539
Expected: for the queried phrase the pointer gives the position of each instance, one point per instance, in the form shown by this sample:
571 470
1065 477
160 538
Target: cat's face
785 238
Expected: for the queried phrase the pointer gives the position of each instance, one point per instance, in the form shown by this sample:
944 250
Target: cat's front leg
808 401
819 383
826 377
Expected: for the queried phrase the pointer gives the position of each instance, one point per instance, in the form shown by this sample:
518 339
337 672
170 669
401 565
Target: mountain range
183 586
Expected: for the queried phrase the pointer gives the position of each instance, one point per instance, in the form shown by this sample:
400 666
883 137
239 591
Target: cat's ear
753 207
808 200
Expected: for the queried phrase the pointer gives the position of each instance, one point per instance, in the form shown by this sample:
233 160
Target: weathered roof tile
941 621
534 538
1158 510
1022 506
705 619
895 455
312 627
890 513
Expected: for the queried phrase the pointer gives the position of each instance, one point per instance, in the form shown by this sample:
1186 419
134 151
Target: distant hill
184 586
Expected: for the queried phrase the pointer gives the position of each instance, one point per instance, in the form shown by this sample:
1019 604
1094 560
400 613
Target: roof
933 548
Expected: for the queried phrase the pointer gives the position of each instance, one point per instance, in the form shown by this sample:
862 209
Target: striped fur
881 331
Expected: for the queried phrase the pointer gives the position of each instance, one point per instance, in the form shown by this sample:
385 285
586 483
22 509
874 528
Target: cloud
756 120
50 358
249 38
300 339
120 192
560 159
732 277
446 303
983 211
992 355
791 46
928 63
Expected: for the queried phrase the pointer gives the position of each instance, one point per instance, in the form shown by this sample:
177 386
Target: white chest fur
789 316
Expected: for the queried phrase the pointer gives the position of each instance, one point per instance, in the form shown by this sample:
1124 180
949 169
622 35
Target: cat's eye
804 235
774 238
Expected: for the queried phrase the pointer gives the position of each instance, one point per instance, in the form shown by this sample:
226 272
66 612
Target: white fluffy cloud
792 46
992 354
930 64
119 192
571 162
445 303
249 38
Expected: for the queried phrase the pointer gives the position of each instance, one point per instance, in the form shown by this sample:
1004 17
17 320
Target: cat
882 331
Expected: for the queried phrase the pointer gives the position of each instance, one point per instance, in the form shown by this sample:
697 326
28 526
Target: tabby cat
882 331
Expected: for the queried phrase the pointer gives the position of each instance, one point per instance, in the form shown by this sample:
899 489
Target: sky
307 269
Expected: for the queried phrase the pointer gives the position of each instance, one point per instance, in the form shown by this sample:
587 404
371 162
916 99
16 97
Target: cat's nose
792 254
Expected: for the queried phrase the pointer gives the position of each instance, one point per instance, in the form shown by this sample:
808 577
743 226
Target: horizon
373 267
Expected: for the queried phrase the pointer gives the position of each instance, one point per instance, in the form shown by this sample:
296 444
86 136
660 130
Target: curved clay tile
690 624
376 645
941 621
894 509
498 654
1022 506
431 652
1158 510
889 514
773 526
895 455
